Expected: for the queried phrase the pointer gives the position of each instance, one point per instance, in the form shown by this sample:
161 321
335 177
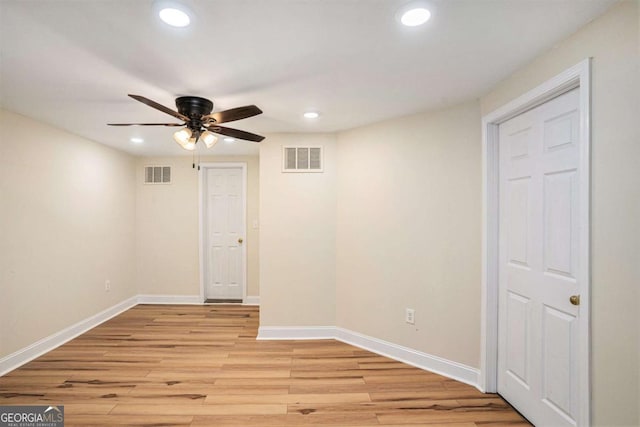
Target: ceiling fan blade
236 133
145 124
234 114
160 107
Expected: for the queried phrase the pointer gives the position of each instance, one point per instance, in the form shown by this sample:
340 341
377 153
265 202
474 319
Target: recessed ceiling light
174 17
311 115
416 16
136 140
229 139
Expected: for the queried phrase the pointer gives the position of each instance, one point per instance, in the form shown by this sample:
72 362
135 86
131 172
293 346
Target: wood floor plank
298 399
318 387
418 376
288 381
71 409
443 415
84 420
371 407
209 390
467 424
290 420
202 366
356 373
161 409
440 393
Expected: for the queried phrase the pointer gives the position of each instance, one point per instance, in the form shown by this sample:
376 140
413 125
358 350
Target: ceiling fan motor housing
194 107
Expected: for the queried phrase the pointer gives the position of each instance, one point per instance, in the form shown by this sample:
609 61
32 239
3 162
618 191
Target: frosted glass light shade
209 138
190 145
184 138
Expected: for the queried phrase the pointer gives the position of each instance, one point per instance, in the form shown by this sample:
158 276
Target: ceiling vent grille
301 159
157 174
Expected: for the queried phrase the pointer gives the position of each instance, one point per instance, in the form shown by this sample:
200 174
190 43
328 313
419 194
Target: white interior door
539 257
224 228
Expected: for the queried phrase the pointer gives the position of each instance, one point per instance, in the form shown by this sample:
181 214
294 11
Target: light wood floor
202 366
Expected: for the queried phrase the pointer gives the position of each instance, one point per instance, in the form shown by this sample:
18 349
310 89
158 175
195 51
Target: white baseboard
251 300
27 354
428 362
170 299
296 333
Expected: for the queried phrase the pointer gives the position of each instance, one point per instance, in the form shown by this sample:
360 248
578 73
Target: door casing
202 174
578 76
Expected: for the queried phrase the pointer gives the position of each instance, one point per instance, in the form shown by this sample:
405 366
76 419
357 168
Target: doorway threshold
222 301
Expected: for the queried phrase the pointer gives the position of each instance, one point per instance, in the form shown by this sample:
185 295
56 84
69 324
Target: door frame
202 192
578 76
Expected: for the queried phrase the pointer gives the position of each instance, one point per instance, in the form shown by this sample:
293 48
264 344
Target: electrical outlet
107 285
410 316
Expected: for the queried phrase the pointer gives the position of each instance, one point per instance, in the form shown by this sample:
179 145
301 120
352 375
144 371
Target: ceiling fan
199 122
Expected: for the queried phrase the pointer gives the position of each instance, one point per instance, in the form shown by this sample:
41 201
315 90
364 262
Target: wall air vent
301 159
157 174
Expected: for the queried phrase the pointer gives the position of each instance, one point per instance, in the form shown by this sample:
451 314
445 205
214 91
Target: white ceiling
71 63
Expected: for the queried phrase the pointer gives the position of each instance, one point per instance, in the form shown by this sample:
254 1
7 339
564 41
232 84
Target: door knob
240 240
574 299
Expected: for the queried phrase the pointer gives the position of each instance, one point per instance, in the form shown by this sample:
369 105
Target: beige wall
67 219
408 232
297 238
167 245
612 41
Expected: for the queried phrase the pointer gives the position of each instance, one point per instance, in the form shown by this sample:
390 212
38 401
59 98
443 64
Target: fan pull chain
194 157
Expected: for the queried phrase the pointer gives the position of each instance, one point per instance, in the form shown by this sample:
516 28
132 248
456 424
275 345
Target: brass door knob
574 299
240 240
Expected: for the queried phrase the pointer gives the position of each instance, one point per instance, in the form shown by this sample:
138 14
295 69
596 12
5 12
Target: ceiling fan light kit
200 124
